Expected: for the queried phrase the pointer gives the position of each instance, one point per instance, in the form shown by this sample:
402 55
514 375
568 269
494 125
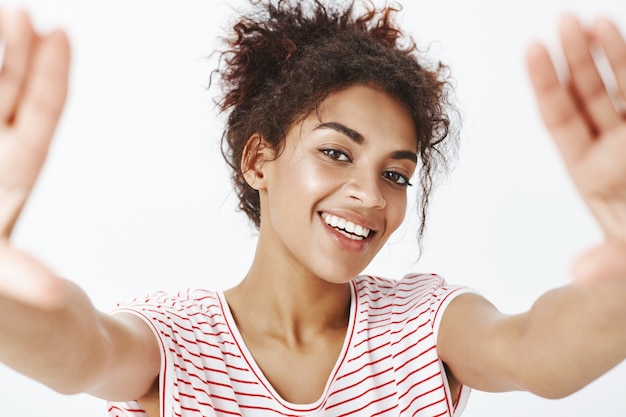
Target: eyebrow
357 138
343 129
411 156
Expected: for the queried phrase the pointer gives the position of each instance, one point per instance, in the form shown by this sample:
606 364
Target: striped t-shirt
388 365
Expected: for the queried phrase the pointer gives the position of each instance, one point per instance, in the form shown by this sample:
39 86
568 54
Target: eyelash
404 181
329 152
395 177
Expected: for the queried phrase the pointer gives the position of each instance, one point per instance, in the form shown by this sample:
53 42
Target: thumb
604 262
25 279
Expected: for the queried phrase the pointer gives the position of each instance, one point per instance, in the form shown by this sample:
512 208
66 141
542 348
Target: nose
365 188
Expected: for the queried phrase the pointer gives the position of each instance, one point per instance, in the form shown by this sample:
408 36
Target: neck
286 302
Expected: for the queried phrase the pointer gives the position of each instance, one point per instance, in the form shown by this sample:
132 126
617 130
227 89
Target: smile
345 227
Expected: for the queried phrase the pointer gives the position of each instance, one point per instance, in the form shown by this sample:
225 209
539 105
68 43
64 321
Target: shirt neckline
230 322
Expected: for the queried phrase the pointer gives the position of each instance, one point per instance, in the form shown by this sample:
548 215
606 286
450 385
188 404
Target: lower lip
344 242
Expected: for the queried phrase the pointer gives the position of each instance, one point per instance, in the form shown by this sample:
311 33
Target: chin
337 276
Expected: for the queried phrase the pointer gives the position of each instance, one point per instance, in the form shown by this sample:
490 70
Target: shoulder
412 294
188 298
409 284
172 312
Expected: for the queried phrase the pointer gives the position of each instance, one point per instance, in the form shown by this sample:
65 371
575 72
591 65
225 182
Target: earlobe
255 154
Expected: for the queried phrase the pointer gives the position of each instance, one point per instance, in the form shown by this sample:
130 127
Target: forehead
371 112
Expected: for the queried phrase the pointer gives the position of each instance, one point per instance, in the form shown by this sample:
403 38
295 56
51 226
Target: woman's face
339 188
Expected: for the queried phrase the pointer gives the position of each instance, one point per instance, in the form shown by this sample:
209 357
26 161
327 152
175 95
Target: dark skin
118 358
350 158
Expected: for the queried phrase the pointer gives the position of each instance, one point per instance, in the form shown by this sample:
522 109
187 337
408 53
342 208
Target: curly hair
286 56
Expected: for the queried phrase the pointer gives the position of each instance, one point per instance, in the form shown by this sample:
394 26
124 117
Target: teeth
346 227
348 235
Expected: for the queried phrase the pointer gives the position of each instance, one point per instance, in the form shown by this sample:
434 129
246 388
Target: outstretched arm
49 329
574 334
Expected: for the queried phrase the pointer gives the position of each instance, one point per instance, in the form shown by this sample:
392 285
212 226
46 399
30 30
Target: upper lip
354 218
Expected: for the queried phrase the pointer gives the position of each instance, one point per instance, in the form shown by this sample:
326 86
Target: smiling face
339 188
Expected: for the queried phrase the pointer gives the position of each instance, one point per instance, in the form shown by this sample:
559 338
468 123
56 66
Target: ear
255 154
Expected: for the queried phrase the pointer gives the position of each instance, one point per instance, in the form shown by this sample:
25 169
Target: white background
135 196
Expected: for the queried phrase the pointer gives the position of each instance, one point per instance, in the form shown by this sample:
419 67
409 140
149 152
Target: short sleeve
179 323
442 295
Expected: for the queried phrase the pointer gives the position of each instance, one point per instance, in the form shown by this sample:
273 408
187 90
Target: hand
587 121
33 88
602 263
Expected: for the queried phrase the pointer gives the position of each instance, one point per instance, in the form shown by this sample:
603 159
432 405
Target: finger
18 36
614 48
45 91
604 262
586 79
557 106
26 280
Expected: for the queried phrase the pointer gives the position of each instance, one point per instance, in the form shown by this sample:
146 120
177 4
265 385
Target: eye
397 178
336 155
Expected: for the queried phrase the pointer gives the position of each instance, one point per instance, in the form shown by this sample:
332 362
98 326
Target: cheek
396 209
299 185
312 179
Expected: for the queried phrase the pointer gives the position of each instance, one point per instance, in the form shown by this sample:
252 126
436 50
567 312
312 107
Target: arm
48 327
570 336
574 334
76 348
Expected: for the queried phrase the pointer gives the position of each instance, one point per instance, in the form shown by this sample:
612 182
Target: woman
324 138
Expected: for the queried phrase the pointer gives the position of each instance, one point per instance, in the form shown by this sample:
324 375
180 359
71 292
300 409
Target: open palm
33 87
586 119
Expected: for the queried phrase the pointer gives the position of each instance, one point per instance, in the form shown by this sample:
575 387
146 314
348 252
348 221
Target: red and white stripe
388 365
